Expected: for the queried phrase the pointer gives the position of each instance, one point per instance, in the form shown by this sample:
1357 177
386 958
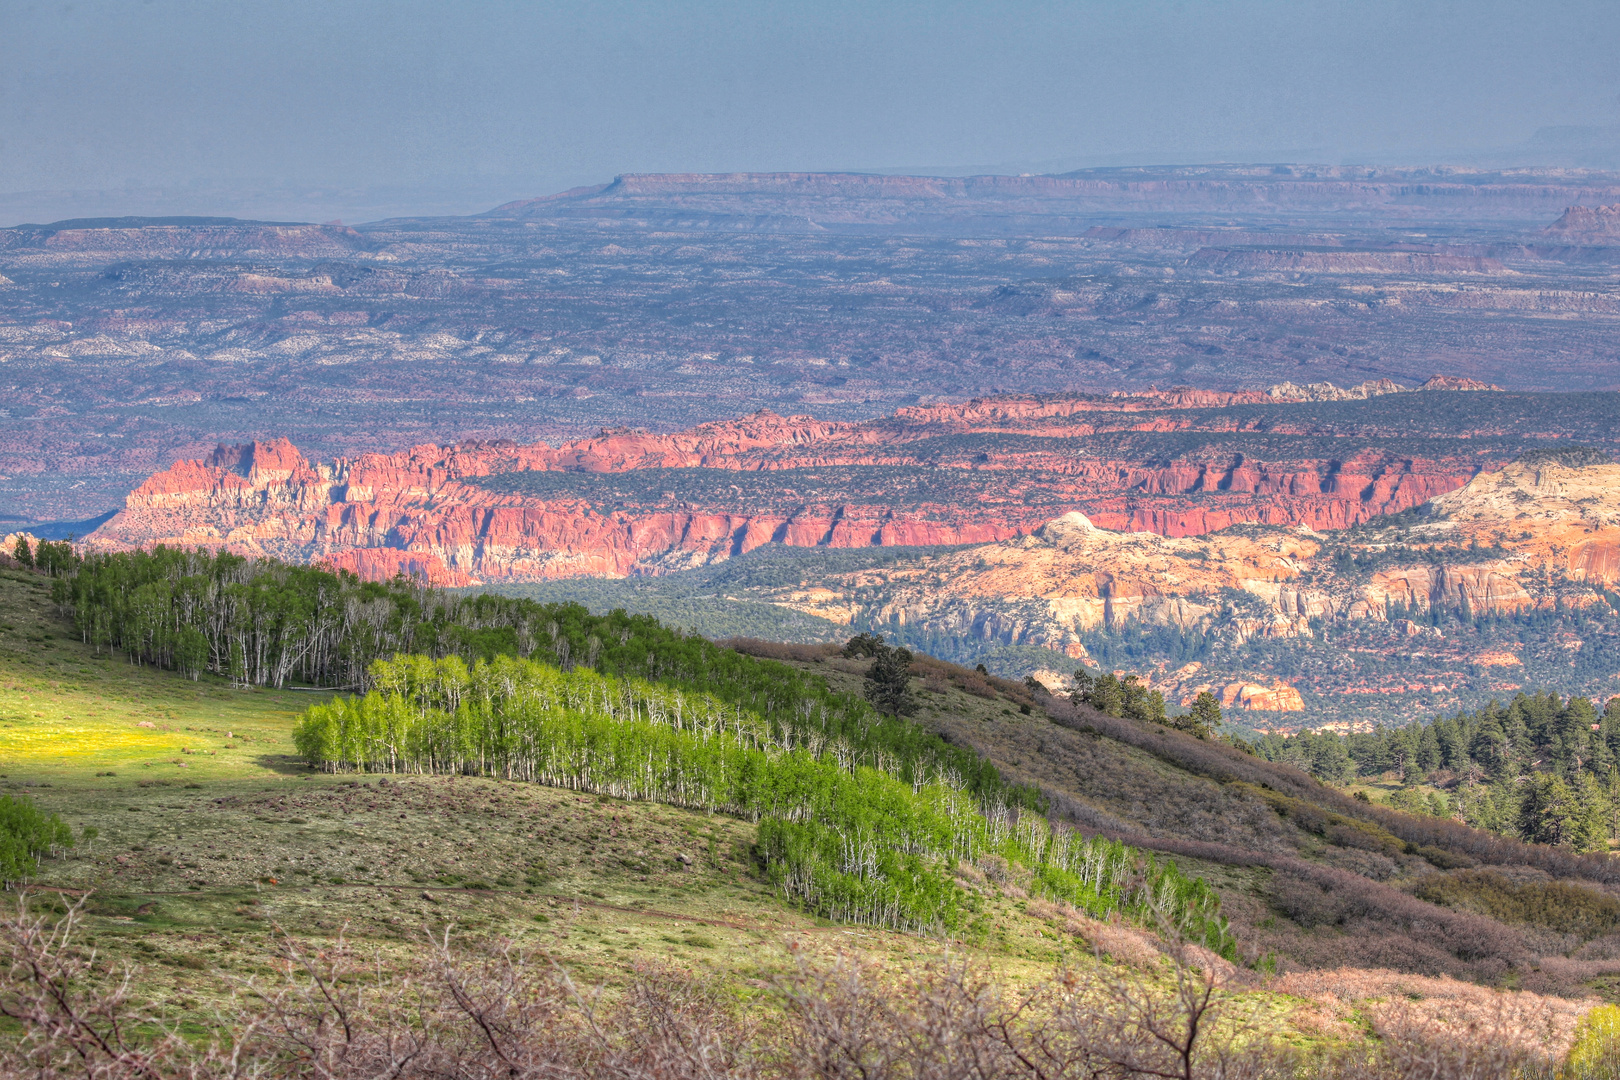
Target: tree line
843 827
1129 697
1540 767
53 559
264 622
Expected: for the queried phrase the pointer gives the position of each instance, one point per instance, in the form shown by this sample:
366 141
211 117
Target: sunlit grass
67 713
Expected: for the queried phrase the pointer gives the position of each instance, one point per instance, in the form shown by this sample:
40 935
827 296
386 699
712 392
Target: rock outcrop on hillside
633 502
1537 535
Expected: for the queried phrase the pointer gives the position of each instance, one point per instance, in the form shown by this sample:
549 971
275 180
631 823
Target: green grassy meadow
212 838
205 843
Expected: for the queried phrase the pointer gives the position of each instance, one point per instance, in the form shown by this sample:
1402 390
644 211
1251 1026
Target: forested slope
862 815
1306 871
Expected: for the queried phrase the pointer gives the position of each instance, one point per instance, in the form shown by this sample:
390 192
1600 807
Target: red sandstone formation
443 513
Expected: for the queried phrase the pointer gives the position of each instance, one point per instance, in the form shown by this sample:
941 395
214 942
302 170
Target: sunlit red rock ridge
424 511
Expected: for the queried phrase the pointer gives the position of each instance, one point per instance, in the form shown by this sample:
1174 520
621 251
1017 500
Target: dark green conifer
862 646
888 682
1202 717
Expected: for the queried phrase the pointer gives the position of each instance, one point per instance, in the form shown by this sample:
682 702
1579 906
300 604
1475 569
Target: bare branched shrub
77 1016
498 1015
332 1015
1419 1017
1126 944
781 650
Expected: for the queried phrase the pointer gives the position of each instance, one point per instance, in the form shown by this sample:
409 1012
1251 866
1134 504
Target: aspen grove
841 828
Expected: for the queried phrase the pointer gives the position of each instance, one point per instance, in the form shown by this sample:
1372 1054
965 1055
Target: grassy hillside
211 836
1307 872
212 840
67 714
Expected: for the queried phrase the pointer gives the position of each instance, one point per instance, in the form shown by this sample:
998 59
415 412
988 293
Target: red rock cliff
462 514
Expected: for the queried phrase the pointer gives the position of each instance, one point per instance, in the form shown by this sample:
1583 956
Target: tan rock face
1250 697
1556 515
442 511
1491 588
1070 576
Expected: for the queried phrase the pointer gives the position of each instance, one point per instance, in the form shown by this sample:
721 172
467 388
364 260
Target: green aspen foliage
845 827
26 833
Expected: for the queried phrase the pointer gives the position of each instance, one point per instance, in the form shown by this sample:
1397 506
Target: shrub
345 1016
1335 828
780 650
1553 905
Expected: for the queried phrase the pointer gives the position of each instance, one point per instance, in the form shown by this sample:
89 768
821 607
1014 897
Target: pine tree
1428 750
1590 828
1549 812
888 682
1106 695
1140 703
1083 683
863 645
1331 762
1611 790
1202 717
22 553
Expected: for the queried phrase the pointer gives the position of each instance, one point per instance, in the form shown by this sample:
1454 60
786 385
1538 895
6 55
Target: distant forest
1541 767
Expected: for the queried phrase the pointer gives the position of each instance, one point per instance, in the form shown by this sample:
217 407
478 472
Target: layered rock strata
1532 535
629 502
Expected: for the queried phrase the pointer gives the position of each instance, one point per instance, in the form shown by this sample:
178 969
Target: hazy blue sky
465 104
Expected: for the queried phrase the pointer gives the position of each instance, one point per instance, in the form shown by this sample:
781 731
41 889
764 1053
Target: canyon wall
1531 537
632 502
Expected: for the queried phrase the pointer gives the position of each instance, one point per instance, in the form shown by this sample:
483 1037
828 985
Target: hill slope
206 847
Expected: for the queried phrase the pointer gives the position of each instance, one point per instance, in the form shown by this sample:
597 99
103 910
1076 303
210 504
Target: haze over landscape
1129 492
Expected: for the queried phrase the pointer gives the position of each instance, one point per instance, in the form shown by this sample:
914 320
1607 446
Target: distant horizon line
243 188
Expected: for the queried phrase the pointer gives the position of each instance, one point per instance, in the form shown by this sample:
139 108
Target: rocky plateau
666 302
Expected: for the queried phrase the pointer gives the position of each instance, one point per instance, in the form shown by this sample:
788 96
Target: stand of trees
1541 767
26 833
862 814
845 827
54 559
264 622
1113 696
